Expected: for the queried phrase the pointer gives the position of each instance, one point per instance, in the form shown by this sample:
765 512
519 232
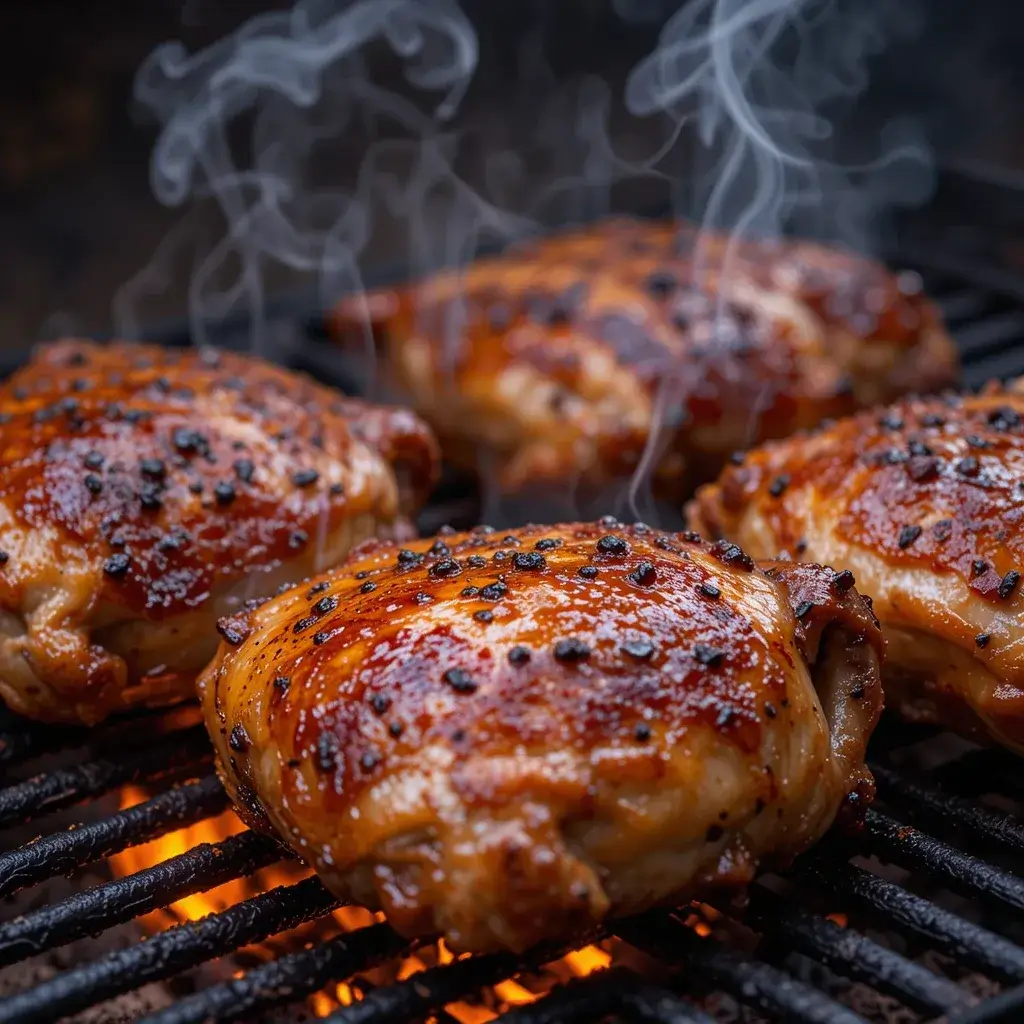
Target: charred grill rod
169 953
93 910
63 852
52 791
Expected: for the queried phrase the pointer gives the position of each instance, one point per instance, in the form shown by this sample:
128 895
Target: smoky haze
763 84
320 131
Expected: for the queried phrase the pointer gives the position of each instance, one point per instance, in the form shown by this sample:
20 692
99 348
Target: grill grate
929 885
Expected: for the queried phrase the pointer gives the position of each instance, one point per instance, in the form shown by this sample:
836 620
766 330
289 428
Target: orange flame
489 1004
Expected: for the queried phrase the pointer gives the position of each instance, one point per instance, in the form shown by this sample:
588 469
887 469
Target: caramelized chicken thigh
556 361
923 503
508 738
146 492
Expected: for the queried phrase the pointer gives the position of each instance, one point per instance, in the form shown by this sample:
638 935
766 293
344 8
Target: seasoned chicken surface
146 492
923 502
558 361
508 738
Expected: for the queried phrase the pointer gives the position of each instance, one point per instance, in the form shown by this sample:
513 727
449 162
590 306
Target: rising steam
765 84
749 93
298 77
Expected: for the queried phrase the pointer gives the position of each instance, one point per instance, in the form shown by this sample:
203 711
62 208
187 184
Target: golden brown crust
549 357
498 736
923 501
142 482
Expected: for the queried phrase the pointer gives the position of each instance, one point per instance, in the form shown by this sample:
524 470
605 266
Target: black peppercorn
305 477
224 492
908 534
644 575
238 739
843 581
571 649
519 655
612 545
732 554
117 565
460 680
528 560
707 655
1008 584
445 567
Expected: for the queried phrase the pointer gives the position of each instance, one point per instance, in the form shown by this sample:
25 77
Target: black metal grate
930 900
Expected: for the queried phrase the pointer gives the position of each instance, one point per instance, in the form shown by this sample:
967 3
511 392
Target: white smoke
297 76
765 84
311 158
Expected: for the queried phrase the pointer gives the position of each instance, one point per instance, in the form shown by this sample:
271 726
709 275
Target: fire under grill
919 917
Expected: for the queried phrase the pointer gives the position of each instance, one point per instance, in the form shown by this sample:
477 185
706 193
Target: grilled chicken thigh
508 738
557 361
145 492
923 503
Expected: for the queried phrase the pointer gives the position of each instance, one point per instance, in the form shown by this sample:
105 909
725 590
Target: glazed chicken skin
553 362
509 738
145 492
923 502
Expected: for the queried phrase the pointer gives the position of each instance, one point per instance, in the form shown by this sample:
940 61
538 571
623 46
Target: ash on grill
918 918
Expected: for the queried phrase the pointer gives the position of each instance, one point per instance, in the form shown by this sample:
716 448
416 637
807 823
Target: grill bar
891 840
991 326
52 791
169 953
65 851
652 1004
438 986
853 955
96 909
1005 1008
287 979
18 743
893 907
995 831
759 984
590 999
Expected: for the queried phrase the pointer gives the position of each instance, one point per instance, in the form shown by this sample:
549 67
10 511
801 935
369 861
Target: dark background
77 217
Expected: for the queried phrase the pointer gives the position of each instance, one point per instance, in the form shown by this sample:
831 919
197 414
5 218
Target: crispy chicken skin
145 492
547 360
924 503
509 738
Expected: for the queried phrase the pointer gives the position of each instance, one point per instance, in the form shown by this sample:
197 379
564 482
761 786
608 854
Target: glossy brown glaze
556 359
924 502
507 737
141 488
